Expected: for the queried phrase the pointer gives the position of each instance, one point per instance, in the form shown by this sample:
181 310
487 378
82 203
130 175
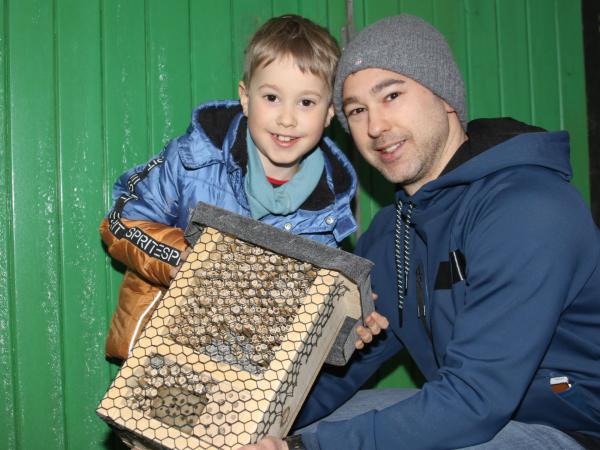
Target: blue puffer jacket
208 164
503 300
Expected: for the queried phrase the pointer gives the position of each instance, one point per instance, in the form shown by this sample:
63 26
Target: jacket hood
498 144
208 131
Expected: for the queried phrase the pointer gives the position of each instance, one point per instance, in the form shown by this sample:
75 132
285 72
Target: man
487 267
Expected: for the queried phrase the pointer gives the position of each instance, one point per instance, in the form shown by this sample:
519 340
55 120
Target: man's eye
392 96
271 98
354 112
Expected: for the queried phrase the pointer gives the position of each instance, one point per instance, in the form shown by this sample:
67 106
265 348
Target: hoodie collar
494 145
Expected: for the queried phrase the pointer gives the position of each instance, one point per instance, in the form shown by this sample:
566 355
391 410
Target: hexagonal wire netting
221 359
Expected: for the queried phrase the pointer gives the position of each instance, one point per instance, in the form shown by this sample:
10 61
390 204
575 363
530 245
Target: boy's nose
286 117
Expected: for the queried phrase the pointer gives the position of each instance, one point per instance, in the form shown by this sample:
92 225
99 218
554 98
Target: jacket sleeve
528 253
139 230
157 239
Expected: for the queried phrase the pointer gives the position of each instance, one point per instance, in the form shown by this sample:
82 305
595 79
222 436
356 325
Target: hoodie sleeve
527 245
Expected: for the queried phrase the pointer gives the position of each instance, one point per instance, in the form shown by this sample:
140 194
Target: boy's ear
330 114
243 94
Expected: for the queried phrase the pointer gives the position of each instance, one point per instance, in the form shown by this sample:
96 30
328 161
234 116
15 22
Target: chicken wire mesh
232 348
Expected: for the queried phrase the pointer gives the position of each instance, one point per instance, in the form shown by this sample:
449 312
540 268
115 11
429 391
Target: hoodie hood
495 145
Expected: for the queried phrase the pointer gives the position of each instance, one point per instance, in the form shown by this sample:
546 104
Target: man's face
399 126
287 112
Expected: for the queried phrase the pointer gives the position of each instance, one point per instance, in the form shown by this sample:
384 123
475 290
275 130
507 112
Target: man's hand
374 322
268 443
182 258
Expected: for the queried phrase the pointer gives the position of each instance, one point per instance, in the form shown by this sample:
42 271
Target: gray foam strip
355 268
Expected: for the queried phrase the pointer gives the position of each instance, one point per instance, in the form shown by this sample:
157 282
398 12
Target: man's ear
449 109
243 94
330 114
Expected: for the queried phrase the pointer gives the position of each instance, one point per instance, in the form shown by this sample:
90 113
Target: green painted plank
315 10
8 432
484 89
125 118
374 11
169 88
450 19
126 125
280 7
336 19
421 8
545 108
359 14
514 60
572 91
83 263
211 49
38 359
247 17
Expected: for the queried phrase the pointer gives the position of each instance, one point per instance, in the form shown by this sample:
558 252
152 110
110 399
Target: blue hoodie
523 311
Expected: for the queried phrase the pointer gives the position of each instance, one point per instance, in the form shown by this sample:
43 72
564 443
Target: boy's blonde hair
310 45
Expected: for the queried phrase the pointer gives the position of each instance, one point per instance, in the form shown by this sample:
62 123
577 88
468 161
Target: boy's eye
306 102
392 96
270 97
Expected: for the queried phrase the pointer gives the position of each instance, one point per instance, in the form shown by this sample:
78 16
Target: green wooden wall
89 88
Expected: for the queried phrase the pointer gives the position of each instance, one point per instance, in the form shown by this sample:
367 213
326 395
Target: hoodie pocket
569 409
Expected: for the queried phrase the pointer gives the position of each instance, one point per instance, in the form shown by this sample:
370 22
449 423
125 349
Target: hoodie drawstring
402 252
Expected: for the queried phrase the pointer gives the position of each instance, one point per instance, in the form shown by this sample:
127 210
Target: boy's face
287 112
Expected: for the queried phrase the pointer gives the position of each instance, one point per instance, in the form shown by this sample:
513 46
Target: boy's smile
287 112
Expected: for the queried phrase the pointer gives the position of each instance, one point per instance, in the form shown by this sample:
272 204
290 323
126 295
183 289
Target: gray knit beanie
409 46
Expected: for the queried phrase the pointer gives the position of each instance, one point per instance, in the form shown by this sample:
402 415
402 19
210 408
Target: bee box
233 347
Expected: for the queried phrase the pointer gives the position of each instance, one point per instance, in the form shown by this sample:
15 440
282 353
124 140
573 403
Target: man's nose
287 117
378 123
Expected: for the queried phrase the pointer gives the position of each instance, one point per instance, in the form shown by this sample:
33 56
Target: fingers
365 337
376 322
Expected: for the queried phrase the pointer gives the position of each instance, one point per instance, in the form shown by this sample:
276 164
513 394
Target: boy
263 157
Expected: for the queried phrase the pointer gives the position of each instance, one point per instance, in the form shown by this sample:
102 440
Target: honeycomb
231 349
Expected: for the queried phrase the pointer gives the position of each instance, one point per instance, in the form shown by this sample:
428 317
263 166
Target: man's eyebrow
349 100
385 83
374 90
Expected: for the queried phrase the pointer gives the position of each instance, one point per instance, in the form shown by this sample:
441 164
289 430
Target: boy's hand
268 443
374 322
173 271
